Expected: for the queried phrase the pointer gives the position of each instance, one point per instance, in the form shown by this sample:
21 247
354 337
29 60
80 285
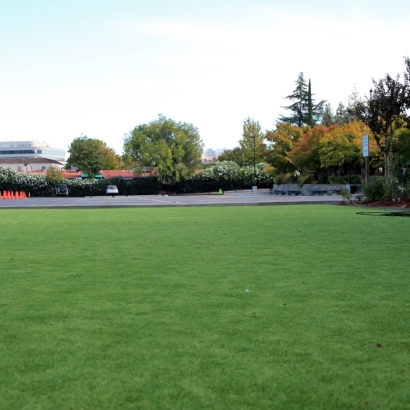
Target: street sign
365 145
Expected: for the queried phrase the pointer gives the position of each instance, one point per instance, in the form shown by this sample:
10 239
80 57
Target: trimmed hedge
211 181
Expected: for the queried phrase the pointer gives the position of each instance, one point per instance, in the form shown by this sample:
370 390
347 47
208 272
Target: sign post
366 156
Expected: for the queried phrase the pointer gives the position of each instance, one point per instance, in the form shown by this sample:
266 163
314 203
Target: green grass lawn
149 308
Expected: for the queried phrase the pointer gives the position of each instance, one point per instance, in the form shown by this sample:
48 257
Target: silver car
112 190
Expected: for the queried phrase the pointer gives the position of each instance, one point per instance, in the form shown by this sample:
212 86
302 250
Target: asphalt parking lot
241 198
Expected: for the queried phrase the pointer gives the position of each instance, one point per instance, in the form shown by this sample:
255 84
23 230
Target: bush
287 178
35 184
226 171
263 178
377 189
306 177
54 176
346 195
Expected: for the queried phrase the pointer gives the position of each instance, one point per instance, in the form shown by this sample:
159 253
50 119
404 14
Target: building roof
38 171
106 173
112 173
72 174
23 160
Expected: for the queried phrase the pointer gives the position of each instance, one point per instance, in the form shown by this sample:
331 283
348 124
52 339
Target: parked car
112 190
62 189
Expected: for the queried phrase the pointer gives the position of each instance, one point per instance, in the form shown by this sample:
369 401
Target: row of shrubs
226 175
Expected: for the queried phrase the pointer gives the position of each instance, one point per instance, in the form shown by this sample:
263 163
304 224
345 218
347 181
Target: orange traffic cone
17 195
7 195
23 195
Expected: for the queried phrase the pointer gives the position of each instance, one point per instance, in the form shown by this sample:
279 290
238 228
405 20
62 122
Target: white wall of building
30 149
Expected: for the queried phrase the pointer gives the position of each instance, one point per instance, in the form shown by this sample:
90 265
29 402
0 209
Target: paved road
229 198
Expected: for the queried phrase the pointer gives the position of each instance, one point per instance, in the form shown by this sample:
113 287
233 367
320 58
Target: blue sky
102 67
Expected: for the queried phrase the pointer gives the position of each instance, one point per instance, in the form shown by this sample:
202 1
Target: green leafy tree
87 153
252 142
236 155
383 112
401 138
407 91
110 159
170 149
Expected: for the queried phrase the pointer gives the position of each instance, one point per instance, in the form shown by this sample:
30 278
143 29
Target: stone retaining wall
308 189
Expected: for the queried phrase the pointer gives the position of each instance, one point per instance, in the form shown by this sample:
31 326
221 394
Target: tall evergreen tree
341 116
352 102
310 105
304 110
327 117
298 108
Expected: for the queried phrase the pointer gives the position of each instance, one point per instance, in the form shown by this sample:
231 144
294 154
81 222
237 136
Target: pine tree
305 111
316 110
352 102
341 116
298 108
327 117
310 106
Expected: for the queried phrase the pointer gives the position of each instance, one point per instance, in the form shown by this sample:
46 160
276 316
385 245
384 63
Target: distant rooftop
28 160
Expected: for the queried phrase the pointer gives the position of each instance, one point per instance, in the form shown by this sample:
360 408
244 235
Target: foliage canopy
303 109
384 111
168 148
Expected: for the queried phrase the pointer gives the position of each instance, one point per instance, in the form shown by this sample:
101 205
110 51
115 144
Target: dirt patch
402 204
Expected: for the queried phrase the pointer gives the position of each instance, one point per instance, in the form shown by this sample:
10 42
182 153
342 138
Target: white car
112 190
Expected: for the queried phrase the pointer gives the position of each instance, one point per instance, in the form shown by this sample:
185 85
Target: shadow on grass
403 213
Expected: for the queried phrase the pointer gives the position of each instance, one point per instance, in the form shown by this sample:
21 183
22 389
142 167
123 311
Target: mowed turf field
287 307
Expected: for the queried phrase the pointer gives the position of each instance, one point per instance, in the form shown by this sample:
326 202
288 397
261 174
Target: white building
31 149
30 164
